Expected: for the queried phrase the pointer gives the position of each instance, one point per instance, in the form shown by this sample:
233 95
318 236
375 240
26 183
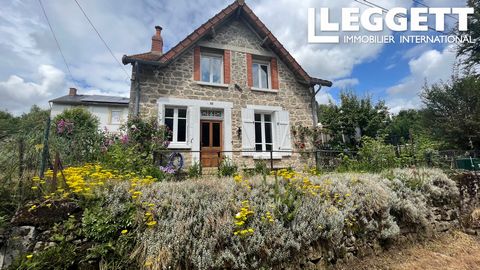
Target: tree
405 126
471 50
354 114
453 111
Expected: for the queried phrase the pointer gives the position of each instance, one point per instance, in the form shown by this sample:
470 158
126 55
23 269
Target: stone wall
176 81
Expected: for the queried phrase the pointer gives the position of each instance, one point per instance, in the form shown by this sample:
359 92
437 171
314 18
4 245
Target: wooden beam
239 11
211 33
265 41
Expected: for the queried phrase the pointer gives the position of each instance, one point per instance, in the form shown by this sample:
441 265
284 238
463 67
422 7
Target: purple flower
124 139
63 126
167 169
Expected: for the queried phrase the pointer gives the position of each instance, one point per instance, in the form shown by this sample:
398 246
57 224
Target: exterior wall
102 112
176 81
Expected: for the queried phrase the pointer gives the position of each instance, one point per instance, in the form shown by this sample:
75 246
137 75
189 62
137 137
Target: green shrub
76 136
135 149
227 167
59 257
195 171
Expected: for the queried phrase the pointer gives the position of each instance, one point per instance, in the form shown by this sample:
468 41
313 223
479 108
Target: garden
105 202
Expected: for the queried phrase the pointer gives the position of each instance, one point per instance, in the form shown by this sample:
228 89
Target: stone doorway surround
194 107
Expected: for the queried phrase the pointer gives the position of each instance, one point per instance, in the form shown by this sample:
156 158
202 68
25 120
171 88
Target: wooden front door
211 143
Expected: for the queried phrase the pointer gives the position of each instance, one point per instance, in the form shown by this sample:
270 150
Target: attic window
261 74
211 68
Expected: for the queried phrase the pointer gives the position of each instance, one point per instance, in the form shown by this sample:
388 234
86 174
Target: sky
32 70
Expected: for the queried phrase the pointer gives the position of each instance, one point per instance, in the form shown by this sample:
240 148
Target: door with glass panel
211 143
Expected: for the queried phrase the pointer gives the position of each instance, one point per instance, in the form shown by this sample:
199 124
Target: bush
227 167
323 210
76 136
249 223
135 150
195 171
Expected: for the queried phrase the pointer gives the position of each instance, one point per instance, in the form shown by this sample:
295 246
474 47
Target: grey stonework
176 80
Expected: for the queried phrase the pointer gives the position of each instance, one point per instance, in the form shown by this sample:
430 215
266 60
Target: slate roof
91 100
237 8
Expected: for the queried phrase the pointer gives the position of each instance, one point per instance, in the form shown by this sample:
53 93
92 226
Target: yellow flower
124 231
34 188
148 263
151 223
29 256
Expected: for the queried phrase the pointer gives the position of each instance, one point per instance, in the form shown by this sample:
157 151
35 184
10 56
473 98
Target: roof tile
258 25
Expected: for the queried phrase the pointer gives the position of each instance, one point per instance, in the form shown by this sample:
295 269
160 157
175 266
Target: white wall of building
103 113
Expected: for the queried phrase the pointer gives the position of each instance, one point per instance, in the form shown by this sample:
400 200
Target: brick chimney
72 92
157 41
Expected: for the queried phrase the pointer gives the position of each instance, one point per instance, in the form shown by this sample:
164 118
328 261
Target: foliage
352 113
58 257
220 224
16 169
372 156
76 136
195 171
136 149
404 126
452 110
131 222
469 50
227 167
375 155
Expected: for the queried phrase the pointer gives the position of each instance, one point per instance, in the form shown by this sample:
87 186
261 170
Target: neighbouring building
111 111
228 86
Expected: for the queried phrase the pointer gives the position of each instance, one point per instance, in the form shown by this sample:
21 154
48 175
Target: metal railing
324 159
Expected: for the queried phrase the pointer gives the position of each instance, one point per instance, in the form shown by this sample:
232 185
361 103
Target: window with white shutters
265 129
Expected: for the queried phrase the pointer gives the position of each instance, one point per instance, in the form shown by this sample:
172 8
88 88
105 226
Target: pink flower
124 139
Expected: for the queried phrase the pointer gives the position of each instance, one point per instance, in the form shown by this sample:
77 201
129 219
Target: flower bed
289 220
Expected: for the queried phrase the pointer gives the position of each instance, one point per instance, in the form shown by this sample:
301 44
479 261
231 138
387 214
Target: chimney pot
72 92
157 40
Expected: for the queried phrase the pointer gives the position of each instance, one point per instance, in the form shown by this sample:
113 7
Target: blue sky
32 70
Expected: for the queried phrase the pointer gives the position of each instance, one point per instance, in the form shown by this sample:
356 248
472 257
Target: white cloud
15 91
324 97
328 61
346 83
432 67
127 26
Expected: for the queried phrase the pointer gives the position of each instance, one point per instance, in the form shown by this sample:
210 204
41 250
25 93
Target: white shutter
283 140
248 131
193 126
161 111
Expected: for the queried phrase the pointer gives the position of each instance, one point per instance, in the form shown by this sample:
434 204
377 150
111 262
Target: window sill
264 90
178 145
222 85
266 156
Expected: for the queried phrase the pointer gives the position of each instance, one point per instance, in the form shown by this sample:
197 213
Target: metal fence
327 160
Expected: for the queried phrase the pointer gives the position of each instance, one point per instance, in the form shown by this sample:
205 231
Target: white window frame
269 75
212 55
111 116
262 128
175 119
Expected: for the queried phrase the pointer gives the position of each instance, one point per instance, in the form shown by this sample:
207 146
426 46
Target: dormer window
211 68
261 74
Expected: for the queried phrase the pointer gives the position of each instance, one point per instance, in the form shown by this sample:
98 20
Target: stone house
228 86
